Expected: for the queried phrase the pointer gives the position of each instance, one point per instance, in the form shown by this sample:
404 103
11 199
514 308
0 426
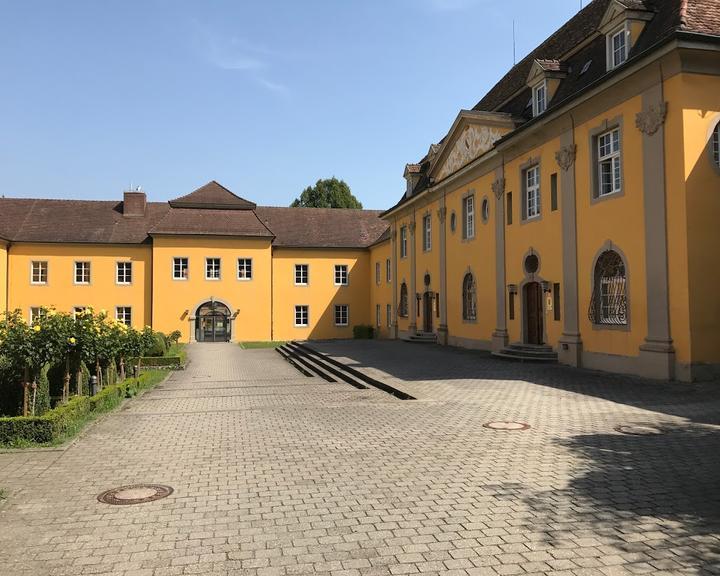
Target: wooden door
428 312
533 314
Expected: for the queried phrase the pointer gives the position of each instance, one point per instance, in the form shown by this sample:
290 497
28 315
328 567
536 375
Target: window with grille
301 274
539 98
341 275
341 315
617 48
377 273
244 269
378 315
212 268
39 272
532 192
403 307
403 242
301 315
180 268
82 272
609 176
608 305
715 145
469 216
37 313
124 314
388 271
469 298
427 232
388 313
123 273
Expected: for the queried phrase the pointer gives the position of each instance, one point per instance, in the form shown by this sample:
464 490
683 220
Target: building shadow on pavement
654 499
698 402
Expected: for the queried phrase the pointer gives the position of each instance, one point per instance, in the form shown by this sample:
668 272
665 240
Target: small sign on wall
548 302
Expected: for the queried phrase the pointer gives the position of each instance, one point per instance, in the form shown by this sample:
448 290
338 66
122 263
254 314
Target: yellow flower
103 311
36 328
51 312
72 340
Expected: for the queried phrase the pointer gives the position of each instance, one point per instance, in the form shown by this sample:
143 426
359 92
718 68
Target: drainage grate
134 494
639 429
510 426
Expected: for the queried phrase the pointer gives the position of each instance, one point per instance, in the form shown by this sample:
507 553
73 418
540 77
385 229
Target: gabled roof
210 222
212 196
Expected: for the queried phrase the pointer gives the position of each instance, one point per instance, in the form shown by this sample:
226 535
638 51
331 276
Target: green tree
327 193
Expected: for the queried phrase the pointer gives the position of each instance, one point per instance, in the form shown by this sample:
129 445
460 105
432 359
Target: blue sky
265 97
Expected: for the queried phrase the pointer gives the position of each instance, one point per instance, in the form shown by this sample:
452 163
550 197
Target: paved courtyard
275 473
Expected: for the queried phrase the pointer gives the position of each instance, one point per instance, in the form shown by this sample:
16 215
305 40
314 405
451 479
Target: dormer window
539 98
617 48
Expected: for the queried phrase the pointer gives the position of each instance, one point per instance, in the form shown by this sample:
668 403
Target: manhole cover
135 494
507 425
639 429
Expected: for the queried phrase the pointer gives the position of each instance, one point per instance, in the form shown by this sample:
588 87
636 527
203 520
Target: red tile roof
212 195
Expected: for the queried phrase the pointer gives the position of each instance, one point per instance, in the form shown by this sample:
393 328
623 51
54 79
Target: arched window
469 298
715 145
403 311
608 305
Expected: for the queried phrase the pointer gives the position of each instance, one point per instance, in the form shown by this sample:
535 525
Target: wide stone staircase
527 353
310 362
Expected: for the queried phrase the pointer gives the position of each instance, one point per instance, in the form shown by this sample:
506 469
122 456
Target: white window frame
532 192
621 32
539 98
246 266
340 311
35 313
378 274
608 154
179 261
208 260
378 316
427 233
42 272
300 311
388 271
124 314
403 241
388 313
342 275
86 268
123 265
300 271
468 209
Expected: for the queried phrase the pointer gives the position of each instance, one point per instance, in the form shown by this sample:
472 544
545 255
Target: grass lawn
177 350
251 345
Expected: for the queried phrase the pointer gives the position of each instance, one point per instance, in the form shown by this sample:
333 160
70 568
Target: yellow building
210 264
568 216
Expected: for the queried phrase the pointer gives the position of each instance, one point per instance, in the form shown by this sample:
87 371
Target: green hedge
67 419
155 362
363 331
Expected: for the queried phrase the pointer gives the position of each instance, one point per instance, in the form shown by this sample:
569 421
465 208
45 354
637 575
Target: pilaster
442 330
412 296
500 334
393 280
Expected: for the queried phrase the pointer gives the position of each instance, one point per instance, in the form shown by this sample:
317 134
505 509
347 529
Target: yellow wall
403 270
176 301
321 294
3 277
380 291
426 263
475 255
701 112
61 291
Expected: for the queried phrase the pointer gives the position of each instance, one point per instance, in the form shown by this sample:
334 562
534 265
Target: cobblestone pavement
277 474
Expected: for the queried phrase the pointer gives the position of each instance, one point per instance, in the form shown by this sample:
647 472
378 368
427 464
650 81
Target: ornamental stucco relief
473 142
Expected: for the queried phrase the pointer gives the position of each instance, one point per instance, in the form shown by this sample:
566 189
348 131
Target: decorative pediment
472 134
543 69
618 11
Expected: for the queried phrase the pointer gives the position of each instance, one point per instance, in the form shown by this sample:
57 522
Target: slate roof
586 66
322 227
211 222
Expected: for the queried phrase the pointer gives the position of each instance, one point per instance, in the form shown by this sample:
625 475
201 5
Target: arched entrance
533 303
212 322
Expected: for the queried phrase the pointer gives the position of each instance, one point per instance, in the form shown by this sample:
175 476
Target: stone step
527 353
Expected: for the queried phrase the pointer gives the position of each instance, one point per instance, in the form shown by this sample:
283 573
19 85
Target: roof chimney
134 202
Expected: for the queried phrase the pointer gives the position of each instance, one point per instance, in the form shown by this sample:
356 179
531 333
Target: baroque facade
569 214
